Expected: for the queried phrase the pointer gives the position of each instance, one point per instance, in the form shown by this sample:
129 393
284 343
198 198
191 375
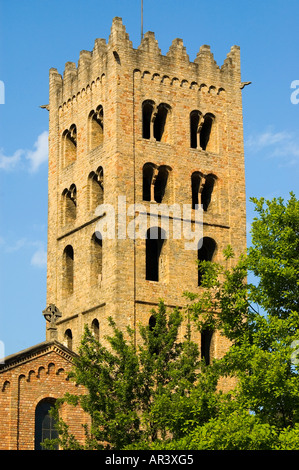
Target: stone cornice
33 352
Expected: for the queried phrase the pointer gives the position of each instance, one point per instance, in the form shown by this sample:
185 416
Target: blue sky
36 35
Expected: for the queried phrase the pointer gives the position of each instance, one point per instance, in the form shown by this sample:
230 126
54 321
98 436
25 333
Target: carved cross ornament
52 314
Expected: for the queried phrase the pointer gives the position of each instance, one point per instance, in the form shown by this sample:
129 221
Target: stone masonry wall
120 78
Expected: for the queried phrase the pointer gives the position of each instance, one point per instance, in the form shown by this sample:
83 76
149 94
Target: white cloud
267 139
284 145
40 154
272 138
9 163
16 246
35 157
39 258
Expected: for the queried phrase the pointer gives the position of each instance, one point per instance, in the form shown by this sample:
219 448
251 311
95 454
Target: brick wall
120 78
26 379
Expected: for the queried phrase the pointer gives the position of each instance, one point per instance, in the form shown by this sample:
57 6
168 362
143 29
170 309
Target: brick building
137 139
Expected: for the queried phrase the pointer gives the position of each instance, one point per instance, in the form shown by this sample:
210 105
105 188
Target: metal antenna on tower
141 20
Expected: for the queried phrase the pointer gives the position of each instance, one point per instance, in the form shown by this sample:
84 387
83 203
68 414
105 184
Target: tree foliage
262 321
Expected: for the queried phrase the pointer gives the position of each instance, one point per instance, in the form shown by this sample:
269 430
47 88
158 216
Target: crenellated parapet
175 67
149 45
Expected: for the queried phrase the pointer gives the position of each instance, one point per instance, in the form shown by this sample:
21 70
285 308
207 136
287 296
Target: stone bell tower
135 127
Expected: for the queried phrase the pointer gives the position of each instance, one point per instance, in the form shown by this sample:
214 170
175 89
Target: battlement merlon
92 65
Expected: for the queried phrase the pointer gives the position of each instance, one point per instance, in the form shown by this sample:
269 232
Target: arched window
44 423
205 253
154 184
155 121
202 188
68 339
194 129
69 205
206 340
95 329
155 238
68 270
96 188
96 260
160 183
147 113
69 145
195 187
205 131
200 130
207 191
152 322
148 175
161 133
96 127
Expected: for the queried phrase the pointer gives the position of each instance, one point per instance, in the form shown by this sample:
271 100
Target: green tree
262 321
274 255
